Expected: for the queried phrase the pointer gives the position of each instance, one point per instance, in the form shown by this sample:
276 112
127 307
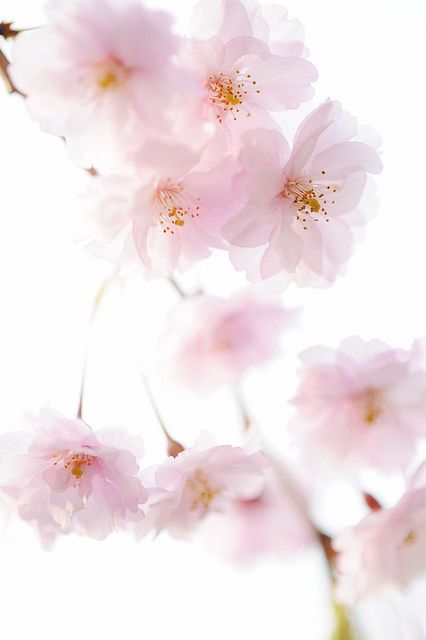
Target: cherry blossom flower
387 549
227 19
65 477
269 525
302 206
211 341
239 76
199 481
99 74
163 210
361 405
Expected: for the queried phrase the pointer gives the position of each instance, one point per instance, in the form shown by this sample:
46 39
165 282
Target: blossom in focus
270 524
197 482
211 341
302 206
239 76
387 549
100 74
163 209
65 477
363 404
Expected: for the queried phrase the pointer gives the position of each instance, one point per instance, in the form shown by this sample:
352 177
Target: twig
4 73
96 303
245 418
173 446
6 30
176 287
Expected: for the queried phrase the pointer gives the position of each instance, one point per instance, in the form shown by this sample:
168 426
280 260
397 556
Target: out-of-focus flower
302 205
361 405
271 524
163 209
228 19
387 549
64 477
240 77
198 481
100 74
211 341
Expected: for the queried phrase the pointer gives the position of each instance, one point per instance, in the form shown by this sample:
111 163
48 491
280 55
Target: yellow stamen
107 80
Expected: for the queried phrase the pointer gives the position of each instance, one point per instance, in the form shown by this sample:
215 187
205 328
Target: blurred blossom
100 74
201 480
363 404
65 477
211 341
302 206
387 549
271 524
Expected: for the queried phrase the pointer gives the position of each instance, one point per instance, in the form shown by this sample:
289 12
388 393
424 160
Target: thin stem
96 304
245 417
176 287
4 73
343 629
173 446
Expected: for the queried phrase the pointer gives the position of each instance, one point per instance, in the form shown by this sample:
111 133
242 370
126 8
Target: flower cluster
189 149
182 134
65 477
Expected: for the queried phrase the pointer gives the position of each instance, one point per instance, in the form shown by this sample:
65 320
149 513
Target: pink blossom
363 404
227 19
65 477
387 549
163 209
100 75
239 76
302 205
199 481
211 341
270 524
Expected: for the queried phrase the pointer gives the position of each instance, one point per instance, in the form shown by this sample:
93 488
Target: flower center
310 199
372 409
201 491
110 74
227 93
174 205
75 462
107 80
410 538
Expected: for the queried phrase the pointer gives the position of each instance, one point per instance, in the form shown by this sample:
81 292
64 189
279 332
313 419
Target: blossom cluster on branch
190 151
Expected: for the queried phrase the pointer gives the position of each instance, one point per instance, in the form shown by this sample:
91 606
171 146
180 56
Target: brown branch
6 30
4 73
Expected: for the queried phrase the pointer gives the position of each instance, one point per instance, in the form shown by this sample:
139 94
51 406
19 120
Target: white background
371 56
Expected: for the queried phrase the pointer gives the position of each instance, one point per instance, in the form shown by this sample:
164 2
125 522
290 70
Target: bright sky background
371 56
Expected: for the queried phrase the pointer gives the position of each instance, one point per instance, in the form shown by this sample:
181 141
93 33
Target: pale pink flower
99 74
387 549
199 481
270 524
361 405
211 341
65 477
302 205
228 19
240 78
163 209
